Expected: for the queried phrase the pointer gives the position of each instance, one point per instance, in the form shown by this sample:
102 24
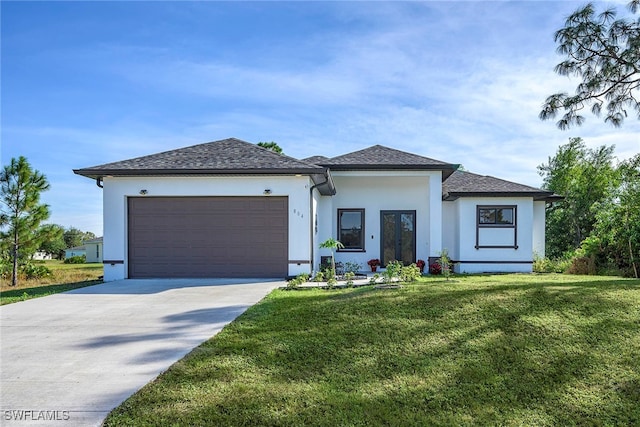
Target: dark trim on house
447 169
363 234
95 173
546 196
113 261
514 226
397 244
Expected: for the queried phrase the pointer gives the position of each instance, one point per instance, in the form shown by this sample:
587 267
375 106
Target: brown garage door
208 237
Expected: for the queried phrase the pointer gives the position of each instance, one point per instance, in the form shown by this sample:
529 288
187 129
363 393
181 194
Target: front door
398 236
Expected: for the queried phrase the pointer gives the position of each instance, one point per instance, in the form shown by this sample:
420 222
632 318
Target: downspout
99 182
312 216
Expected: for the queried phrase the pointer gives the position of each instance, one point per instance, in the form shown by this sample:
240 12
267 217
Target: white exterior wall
375 191
450 236
117 189
539 226
94 252
466 235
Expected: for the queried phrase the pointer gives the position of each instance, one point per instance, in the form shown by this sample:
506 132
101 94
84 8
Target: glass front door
398 236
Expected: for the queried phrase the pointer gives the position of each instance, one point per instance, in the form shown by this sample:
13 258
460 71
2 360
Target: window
351 228
496 227
495 216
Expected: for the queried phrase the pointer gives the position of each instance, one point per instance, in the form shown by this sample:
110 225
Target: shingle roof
315 160
381 156
225 156
467 184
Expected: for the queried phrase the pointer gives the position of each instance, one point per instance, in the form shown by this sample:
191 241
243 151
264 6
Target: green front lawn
483 350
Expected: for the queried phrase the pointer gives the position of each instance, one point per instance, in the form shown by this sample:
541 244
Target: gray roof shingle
466 184
234 156
315 160
379 156
225 156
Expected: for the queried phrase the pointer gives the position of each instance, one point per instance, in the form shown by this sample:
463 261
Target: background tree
605 53
617 228
273 146
74 237
22 212
586 178
53 240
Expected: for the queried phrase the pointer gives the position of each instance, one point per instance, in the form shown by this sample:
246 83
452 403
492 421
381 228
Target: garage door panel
208 237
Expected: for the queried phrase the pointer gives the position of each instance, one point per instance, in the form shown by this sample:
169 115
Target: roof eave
324 183
537 196
447 169
101 173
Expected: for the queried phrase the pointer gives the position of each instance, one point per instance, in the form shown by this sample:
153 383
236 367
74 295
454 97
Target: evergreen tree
605 53
22 212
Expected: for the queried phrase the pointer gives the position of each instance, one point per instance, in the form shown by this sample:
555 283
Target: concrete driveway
68 359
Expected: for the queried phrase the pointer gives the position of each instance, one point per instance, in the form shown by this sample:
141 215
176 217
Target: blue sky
86 83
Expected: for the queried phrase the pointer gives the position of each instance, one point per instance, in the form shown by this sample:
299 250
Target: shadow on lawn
546 353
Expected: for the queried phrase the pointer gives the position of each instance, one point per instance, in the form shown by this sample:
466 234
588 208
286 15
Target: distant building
40 255
76 251
93 249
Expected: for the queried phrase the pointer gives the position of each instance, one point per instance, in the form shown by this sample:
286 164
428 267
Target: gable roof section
379 157
467 184
225 157
316 160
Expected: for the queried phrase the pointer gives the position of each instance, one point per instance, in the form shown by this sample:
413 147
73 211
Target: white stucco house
230 208
93 249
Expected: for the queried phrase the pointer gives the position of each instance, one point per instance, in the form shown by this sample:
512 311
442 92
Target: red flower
373 262
435 268
420 263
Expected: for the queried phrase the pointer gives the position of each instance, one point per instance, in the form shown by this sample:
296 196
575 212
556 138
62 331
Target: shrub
5 270
31 271
374 279
582 265
79 259
445 263
352 267
555 265
435 268
319 277
349 275
331 282
410 273
297 281
392 271
327 273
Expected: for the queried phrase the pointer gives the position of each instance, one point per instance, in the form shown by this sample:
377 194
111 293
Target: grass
484 350
65 277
